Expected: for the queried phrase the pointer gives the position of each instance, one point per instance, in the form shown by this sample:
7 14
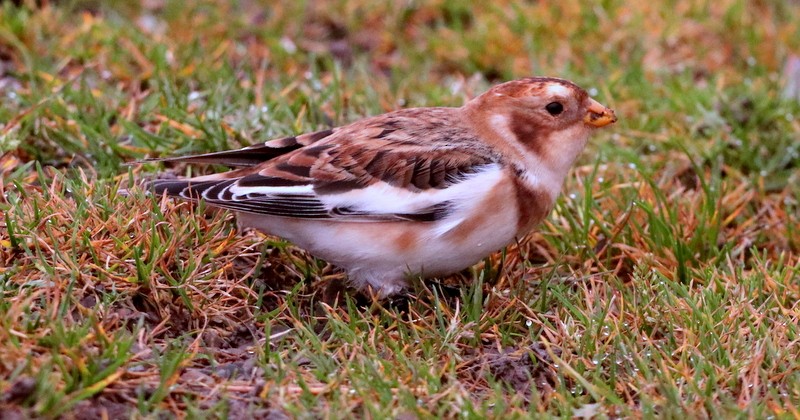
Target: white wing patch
239 191
382 198
380 201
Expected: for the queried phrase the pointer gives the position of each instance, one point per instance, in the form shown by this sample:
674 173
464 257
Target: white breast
483 220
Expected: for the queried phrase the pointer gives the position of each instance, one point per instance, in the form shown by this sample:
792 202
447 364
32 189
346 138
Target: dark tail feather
250 156
172 187
182 188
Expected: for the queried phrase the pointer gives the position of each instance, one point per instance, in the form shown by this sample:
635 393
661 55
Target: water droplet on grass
288 45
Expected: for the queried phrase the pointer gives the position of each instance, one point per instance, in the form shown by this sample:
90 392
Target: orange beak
598 115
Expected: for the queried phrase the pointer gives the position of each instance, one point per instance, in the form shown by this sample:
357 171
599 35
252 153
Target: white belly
382 254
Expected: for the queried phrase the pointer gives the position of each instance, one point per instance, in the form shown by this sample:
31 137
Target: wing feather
302 177
252 155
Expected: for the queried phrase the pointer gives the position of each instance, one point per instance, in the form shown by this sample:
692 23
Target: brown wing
414 149
417 149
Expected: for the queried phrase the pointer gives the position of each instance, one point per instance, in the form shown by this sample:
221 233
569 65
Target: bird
413 192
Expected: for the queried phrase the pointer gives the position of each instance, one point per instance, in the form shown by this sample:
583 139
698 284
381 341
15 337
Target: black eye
554 108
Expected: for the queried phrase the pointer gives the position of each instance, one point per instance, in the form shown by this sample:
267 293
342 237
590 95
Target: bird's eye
554 108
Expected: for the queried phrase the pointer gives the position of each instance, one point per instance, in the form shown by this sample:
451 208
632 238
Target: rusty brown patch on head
536 85
530 132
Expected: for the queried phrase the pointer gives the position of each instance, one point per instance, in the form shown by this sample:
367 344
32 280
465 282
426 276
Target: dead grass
665 283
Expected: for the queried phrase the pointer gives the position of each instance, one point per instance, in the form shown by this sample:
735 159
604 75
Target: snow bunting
422 191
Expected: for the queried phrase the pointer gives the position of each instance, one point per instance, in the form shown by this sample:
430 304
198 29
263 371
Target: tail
191 188
249 156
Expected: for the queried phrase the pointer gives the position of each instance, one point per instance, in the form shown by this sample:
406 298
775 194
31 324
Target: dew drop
288 45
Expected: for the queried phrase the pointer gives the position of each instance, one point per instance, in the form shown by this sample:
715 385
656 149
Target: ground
665 283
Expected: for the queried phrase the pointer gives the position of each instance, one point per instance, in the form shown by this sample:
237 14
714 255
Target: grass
665 283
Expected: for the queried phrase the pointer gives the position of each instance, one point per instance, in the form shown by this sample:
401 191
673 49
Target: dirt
519 367
19 390
8 412
100 408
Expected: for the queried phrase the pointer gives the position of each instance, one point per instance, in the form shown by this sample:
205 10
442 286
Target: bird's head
545 118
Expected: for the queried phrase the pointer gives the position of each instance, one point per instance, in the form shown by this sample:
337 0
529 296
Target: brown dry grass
665 282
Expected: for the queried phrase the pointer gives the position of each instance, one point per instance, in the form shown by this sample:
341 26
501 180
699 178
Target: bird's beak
598 115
